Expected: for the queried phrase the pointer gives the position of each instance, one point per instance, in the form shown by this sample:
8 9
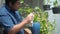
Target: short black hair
12 1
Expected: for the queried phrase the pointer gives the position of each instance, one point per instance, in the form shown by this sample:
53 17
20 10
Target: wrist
26 21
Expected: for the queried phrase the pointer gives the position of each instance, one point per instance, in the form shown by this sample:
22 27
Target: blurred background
50 23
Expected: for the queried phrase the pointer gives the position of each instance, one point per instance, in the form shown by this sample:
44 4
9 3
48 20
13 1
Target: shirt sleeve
6 22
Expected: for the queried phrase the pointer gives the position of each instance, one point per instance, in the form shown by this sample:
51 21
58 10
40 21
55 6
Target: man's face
16 5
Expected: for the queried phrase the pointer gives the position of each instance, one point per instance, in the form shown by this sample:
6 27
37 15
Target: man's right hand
30 17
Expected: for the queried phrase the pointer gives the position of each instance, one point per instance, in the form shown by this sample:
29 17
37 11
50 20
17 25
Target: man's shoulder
3 11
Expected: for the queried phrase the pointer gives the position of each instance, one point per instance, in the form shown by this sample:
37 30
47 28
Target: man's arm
8 25
17 27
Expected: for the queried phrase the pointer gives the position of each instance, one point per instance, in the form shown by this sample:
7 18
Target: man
11 20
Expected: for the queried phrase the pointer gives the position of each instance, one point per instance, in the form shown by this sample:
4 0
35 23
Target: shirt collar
9 10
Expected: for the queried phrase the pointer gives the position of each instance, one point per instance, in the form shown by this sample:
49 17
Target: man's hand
27 31
30 17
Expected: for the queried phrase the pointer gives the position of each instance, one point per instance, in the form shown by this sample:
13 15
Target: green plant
46 2
55 3
39 16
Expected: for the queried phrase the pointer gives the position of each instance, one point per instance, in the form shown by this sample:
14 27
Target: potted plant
56 8
46 6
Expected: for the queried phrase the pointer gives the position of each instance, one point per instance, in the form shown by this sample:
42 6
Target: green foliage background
40 16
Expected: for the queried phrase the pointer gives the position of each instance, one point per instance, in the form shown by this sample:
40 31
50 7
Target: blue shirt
8 19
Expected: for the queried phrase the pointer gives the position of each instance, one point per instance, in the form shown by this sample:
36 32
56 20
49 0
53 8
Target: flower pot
56 10
46 7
